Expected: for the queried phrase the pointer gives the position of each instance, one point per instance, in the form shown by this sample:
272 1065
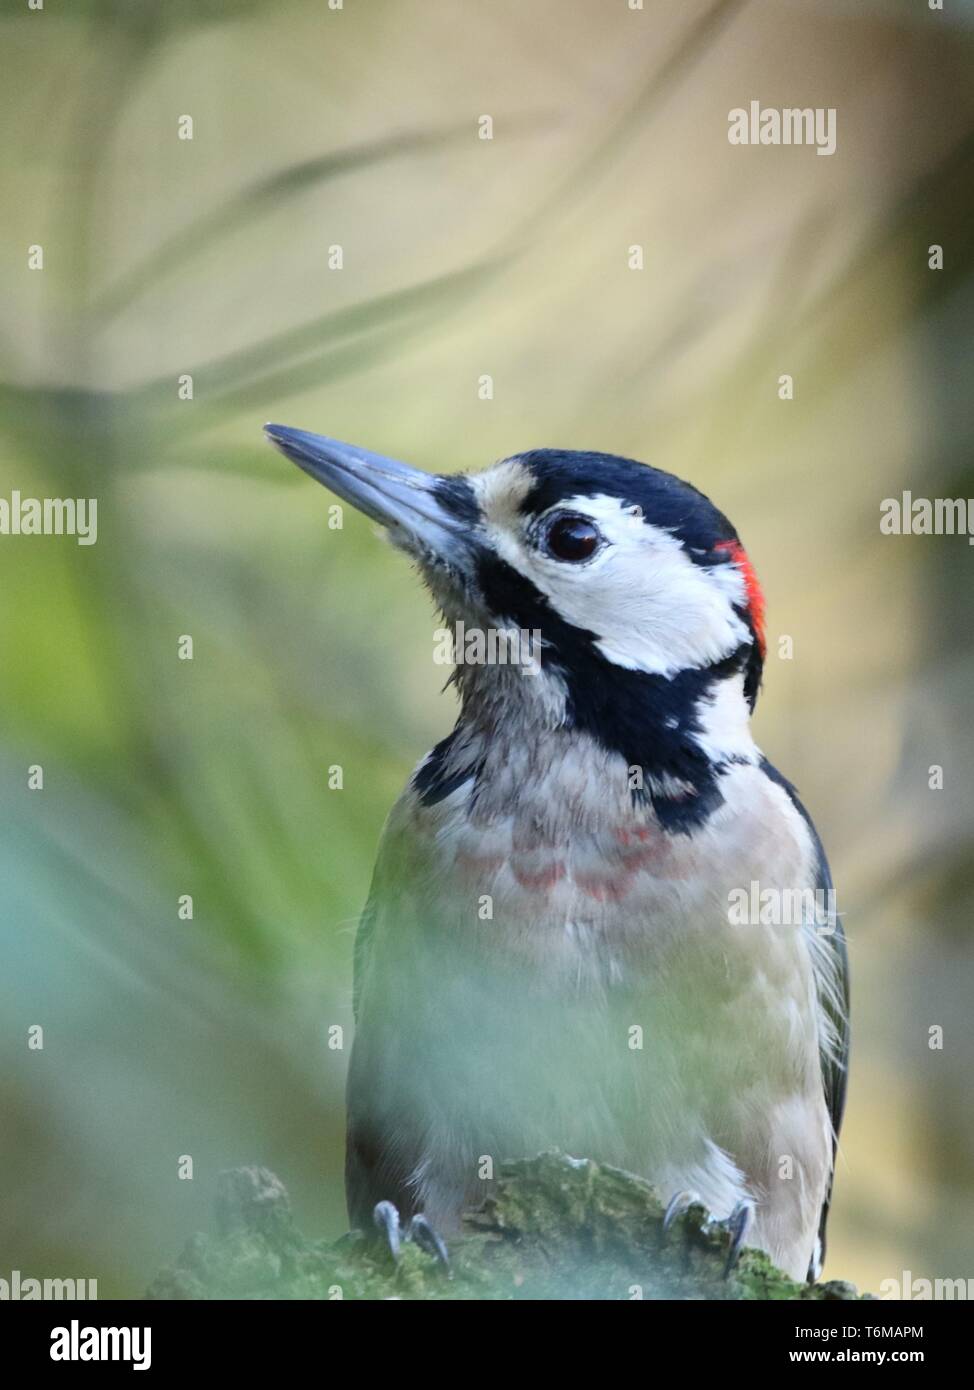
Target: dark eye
572 538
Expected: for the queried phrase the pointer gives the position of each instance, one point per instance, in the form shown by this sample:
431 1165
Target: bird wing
379 1159
830 960
362 949
374 1170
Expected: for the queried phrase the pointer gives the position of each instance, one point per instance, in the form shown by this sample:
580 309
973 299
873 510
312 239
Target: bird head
650 616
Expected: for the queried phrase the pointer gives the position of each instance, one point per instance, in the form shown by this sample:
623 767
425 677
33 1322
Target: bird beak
401 498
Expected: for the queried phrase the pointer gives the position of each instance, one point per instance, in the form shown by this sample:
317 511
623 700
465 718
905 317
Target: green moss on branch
552 1228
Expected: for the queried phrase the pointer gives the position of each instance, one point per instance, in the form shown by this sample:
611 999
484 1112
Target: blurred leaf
266 194
245 379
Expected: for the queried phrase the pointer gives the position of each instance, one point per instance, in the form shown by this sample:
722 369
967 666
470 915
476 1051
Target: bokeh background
315 127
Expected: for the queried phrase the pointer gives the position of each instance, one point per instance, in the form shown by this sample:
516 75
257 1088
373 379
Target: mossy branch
553 1227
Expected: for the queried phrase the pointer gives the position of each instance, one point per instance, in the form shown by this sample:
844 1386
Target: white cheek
649 606
661 614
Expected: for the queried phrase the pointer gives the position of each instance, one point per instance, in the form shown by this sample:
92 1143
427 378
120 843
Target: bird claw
676 1206
737 1225
427 1238
385 1216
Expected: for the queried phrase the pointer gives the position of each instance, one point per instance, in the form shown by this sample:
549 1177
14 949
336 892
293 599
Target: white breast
556 928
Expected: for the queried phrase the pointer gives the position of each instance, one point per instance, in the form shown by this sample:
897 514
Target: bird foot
736 1225
385 1215
676 1206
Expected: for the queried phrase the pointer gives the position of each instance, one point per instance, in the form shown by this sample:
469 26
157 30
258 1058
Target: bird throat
657 741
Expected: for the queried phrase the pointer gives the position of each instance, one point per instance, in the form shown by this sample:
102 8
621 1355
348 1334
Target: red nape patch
755 595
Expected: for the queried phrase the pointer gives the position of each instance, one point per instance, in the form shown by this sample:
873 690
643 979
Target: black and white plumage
547 958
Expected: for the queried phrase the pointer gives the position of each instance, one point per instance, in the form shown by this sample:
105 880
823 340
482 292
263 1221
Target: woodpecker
548 957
